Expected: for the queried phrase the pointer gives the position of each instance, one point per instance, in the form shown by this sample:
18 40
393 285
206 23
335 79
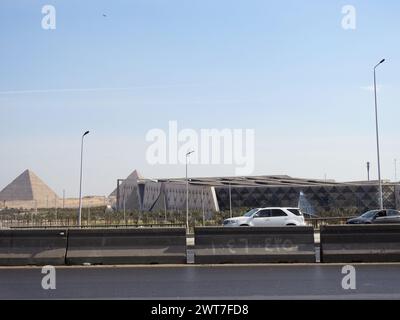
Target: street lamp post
202 206
187 191
80 183
368 166
377 137
124 208
230 200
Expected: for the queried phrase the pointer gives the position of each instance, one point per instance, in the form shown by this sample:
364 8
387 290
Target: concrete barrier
360 243
127 246
216 245
32 247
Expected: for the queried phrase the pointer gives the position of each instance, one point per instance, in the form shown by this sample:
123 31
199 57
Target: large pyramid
27 187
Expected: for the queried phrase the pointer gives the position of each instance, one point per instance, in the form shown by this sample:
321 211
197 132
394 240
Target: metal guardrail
314 222
317 222
105 226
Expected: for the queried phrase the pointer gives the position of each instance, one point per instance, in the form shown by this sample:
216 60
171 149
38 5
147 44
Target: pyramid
27 187
135 175
132 178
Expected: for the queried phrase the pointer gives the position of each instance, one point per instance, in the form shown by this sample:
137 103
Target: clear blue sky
286 69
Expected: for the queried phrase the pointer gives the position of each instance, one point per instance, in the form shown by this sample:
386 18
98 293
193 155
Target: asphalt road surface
373 281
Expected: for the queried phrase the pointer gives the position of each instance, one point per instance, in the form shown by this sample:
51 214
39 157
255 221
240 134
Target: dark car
377 216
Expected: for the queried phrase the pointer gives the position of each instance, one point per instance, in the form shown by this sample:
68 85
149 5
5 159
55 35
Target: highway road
374 281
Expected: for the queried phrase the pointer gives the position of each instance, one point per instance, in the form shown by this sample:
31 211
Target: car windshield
369 214
250 213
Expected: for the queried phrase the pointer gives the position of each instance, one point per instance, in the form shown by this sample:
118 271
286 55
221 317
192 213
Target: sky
287 70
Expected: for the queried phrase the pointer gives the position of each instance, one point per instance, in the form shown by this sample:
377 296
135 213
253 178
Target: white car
268 217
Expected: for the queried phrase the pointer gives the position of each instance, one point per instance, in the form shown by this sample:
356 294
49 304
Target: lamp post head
380 62
189 153
87 132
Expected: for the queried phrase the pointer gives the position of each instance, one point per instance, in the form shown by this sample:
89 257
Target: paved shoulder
376 281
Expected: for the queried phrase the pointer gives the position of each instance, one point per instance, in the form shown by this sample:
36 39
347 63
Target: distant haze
287 70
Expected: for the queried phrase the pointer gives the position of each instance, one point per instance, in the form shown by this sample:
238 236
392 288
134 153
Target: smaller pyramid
27 187
132 178
135 175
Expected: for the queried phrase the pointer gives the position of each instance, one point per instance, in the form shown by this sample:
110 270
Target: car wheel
244 225
291 225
